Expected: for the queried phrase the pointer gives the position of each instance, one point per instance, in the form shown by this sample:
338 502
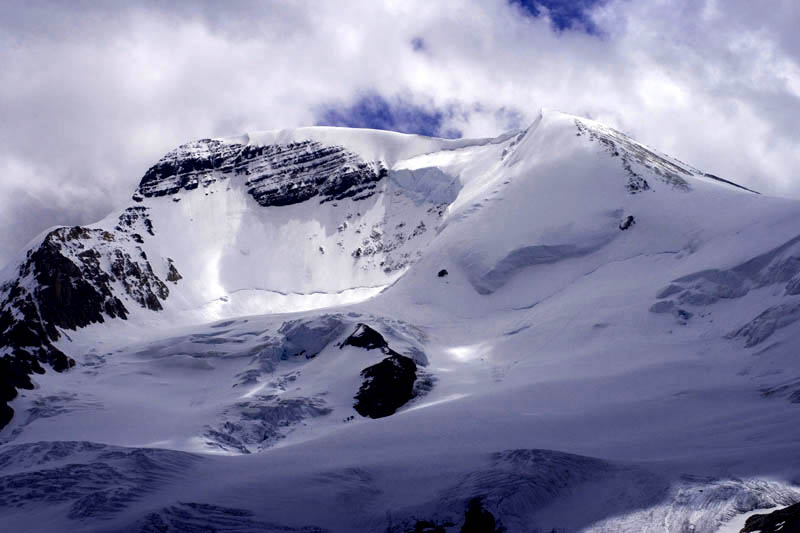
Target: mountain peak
302 219
549 288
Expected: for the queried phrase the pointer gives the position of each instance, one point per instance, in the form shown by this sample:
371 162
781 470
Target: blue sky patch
374 111
564 14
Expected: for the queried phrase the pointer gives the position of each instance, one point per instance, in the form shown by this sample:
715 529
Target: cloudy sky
92 93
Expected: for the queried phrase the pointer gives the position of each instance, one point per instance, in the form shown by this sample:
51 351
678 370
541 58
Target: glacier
333 329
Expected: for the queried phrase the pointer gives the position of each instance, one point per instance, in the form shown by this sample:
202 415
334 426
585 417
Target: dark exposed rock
172 274
636 183
15 372
180 168
276 175
782 520
138 278
300 171
365 337
442 273
71 294
627 222
6 412
63 283
135 217
391 383
478 520
387 386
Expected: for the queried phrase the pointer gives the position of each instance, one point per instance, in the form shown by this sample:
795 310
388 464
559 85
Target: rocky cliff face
77 276
274 175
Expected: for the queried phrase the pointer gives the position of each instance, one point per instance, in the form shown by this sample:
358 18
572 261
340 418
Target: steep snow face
293 225
557 328
560 192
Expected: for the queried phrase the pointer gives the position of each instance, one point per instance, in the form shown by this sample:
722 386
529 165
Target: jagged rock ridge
74 278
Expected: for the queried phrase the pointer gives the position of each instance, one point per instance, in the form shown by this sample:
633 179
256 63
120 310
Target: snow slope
570 373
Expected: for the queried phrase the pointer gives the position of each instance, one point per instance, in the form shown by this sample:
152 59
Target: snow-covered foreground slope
350 330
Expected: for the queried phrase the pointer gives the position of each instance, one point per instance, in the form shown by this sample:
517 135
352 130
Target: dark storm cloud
92 93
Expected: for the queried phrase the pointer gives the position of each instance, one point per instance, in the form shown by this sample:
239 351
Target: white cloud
89 99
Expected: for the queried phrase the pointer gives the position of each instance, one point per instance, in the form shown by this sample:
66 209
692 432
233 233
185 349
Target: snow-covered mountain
358 330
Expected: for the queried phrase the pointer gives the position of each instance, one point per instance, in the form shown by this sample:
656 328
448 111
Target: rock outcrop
274 175
786 519
387 386
367 338
74 278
